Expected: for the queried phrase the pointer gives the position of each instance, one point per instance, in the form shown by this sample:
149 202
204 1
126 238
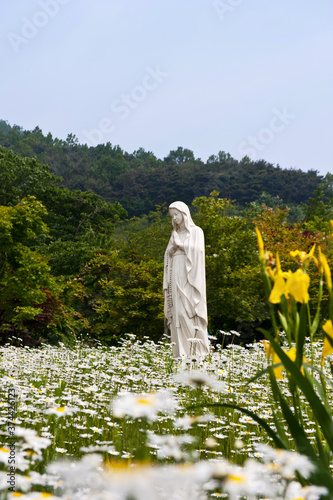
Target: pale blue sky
244 76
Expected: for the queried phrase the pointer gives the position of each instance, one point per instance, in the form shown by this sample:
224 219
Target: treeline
140 181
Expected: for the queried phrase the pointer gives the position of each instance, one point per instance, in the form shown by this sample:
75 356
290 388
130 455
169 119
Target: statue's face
176 216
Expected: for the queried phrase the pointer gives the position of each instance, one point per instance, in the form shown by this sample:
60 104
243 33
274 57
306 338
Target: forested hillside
140 181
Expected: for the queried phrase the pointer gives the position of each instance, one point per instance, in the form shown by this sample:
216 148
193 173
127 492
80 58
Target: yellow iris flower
303 256
324 267
278 370
271 354
277 271
295 284
261 247
328 348
268 348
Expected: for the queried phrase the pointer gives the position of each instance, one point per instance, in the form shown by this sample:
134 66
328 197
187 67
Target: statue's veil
183 208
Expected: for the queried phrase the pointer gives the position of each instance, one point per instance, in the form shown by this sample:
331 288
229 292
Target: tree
72 140
30 303
111 167
234 289
119 297
180 155
20 177
318 211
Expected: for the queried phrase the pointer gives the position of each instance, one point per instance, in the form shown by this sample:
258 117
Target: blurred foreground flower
200 379
36 495
91 479
170 446
296 491
286 462
143 405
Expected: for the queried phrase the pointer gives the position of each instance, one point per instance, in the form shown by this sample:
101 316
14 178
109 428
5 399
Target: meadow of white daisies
130 422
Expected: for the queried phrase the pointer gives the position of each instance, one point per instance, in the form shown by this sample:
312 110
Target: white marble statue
184 284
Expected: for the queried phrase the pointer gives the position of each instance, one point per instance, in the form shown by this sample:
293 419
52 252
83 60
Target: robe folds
184 286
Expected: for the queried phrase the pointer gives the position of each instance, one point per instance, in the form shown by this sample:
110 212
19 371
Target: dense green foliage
42 241
30 300
72 262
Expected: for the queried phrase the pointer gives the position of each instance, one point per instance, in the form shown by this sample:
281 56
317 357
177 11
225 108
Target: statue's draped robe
184 287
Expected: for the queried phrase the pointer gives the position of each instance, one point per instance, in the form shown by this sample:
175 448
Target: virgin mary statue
184 284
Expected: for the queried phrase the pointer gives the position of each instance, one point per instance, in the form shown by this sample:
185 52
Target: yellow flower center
238 479
144 402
